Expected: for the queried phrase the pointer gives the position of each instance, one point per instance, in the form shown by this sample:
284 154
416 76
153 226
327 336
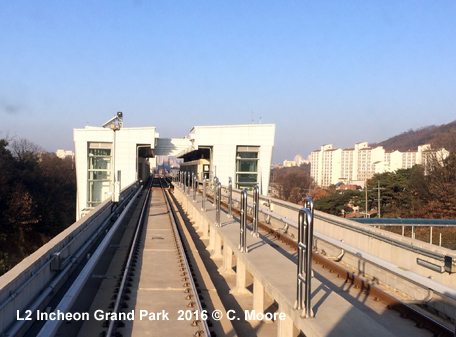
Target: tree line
37 198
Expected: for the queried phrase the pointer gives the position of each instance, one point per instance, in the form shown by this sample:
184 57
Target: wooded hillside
410 139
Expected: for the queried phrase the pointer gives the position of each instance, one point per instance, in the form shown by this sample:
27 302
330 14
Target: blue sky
336 72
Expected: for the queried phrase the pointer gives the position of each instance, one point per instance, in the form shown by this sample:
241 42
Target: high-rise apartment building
355 165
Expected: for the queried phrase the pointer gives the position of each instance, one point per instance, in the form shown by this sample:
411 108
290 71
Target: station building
240 152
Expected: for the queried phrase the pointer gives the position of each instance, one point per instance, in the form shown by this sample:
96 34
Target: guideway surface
159 291
334 315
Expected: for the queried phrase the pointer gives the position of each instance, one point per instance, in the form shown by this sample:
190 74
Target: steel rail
172 216
139 226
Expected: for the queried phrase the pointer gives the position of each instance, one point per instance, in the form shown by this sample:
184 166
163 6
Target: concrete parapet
23 284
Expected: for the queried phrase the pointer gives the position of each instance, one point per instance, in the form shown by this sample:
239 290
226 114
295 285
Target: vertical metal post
195 187
217 205
299 301
203 200
243 223
430 234
440 237
188 183
230 197
305 243
309 204
214 188
256 204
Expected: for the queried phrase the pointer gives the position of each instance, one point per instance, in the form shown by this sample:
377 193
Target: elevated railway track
139 273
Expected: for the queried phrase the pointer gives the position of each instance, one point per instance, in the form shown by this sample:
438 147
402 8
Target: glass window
247 166
99 174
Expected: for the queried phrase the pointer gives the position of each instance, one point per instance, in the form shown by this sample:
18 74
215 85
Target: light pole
115 184
378 188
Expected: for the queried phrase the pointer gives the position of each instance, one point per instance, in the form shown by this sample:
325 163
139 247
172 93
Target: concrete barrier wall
16 294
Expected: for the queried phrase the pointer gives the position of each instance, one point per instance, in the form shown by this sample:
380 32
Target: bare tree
24 150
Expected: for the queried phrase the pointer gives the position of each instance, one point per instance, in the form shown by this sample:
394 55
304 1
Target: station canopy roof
171 146
201 153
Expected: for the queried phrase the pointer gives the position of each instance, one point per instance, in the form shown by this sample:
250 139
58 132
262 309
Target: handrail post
256 203
230 197
188 183
305 243
203 200
217 205
214 188
243 223
309 204
195 188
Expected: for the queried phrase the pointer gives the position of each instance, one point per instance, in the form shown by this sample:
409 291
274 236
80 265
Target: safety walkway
276 274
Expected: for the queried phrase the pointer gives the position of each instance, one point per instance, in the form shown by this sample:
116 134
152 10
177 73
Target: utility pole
378 198
365 187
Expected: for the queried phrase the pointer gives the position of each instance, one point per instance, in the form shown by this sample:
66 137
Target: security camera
108 123
120 115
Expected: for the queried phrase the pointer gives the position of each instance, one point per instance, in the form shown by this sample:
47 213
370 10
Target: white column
227 267
241 279
285 327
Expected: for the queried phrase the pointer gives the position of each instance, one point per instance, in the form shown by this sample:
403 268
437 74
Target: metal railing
304 273
384 265
218 201
243 223
203 200
271 204
195 186
256 206
230 197
188 183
